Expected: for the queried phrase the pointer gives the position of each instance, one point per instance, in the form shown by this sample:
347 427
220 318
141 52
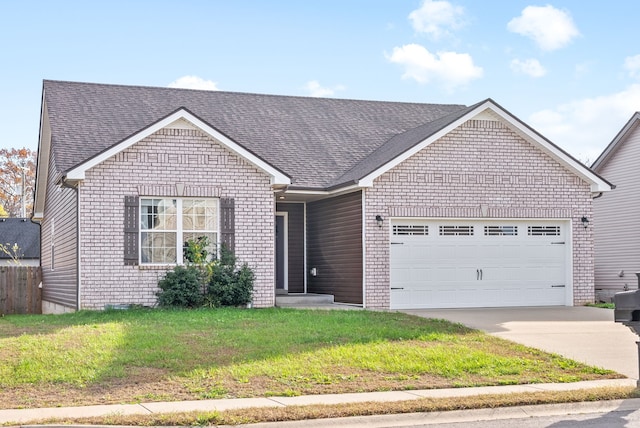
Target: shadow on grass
180 341
156 345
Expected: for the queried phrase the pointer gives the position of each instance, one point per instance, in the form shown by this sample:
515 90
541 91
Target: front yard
162 355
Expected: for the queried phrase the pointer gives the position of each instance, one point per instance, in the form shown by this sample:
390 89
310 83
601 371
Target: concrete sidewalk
585 334
24 416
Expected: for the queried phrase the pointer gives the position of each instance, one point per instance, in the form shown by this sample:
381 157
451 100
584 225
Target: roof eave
42 161
613 145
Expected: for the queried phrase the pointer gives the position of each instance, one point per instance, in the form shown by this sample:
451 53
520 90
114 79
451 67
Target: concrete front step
296 300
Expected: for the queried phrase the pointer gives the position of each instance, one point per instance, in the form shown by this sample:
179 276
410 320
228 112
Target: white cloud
531 67
585 127
315 90
451 68
548 27
632 65
435 18
194 82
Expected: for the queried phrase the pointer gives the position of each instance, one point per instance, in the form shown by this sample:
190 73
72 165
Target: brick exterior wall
171 162
481 167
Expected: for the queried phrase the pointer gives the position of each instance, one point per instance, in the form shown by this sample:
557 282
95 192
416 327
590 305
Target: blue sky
568 68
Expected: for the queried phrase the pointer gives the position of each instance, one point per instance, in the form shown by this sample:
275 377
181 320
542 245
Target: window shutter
227 223
131 221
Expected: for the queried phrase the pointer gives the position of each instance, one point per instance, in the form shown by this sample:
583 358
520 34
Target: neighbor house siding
334 247
481 167
617 240
295 241
58 253
169 163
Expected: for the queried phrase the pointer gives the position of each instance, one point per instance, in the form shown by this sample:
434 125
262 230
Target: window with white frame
167 224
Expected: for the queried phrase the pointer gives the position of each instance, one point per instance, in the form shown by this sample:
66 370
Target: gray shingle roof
319 142
23 232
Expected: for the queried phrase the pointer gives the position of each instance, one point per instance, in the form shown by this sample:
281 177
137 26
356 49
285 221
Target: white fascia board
277 177
42 164
597 184
333 192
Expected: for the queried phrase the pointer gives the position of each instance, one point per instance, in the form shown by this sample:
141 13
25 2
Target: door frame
285 270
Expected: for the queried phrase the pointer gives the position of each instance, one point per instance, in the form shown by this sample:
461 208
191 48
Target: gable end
181 119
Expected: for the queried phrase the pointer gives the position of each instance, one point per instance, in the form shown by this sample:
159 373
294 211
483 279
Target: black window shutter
131 222
227 223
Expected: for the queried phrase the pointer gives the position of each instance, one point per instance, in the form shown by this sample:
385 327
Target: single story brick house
386 205
617 245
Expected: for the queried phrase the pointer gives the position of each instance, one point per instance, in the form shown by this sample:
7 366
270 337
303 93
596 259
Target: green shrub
199 283
181 287
229 285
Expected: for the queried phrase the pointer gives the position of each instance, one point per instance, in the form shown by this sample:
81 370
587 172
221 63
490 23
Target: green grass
147 355
603 305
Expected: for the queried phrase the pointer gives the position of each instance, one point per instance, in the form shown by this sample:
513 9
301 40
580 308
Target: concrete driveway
582 333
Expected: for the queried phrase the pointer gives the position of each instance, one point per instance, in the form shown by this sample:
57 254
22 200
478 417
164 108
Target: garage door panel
521 264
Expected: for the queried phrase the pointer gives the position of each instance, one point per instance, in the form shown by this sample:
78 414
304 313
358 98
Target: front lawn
162 355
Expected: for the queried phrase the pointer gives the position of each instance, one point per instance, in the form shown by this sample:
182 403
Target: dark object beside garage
627 312
627 307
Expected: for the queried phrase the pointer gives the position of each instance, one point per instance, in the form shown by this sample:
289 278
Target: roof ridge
260 94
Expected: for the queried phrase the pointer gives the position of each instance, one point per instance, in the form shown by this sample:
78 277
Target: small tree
195 250
17 181
13 251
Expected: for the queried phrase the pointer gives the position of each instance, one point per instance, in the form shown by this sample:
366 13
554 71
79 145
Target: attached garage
439 263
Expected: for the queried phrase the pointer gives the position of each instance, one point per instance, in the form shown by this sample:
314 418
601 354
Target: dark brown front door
280 252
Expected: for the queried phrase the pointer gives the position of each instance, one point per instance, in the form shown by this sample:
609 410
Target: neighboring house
24 234
617 244
381 204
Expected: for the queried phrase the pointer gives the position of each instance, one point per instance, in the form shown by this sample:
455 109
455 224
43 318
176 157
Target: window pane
158 247
199 214
211 215
167 211
158 214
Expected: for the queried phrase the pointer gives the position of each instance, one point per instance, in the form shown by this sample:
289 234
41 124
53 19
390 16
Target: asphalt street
603 414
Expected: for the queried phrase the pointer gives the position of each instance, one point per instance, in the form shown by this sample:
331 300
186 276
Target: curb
23 416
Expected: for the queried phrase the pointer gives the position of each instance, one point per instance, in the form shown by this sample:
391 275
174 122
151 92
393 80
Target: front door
281 251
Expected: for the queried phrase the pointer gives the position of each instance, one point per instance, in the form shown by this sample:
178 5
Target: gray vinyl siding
60 279
616 236
295 240
334 247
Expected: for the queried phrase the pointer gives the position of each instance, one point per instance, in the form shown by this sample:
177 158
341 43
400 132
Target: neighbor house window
167 224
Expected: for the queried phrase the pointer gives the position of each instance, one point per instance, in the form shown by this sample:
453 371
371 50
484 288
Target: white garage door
478 263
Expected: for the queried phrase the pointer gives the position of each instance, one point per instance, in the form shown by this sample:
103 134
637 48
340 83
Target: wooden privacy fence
20 290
